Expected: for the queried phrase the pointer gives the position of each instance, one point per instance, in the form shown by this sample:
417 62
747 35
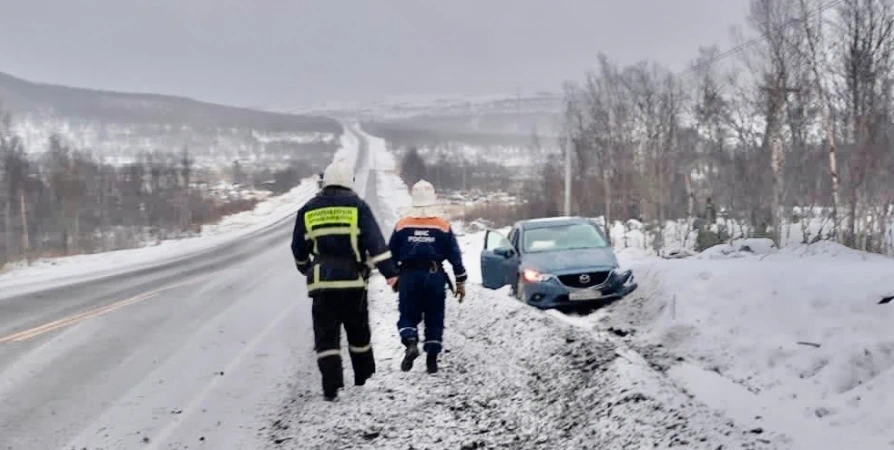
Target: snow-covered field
520 158
109 139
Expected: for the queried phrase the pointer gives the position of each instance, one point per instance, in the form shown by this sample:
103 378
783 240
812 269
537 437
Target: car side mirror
504 252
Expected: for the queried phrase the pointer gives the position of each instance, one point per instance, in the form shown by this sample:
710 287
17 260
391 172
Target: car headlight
533 276
627 276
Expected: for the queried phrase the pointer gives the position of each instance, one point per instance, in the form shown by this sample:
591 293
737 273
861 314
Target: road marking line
96 312
56 324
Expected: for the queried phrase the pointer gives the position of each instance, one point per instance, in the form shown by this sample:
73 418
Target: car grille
575 281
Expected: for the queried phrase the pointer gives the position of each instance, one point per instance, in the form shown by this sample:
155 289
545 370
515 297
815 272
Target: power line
757 39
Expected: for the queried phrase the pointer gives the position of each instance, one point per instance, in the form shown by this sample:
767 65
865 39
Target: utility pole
567 179
567 148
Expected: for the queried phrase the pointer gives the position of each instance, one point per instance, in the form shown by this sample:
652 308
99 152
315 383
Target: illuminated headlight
533 276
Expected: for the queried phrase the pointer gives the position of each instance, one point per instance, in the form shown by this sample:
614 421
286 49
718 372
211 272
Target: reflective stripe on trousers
328 353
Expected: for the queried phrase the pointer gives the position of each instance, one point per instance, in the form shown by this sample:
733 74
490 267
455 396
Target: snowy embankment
44 273
511 378
792 341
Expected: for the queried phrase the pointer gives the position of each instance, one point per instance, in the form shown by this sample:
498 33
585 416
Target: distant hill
121 126
24 97
483 121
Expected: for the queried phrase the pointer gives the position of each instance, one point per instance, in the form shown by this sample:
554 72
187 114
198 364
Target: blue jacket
336 239
428 239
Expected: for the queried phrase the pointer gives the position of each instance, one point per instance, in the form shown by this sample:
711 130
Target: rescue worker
419 244
335 243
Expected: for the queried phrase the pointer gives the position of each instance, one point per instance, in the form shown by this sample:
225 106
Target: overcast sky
285 53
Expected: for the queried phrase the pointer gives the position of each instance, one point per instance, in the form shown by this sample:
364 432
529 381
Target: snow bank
799 331
44 272
265 213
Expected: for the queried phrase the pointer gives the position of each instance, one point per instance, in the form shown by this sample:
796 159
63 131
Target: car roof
546 222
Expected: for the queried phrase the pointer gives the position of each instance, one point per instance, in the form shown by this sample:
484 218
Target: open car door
499 261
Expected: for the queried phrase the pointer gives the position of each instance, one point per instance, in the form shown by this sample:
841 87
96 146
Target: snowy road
182 355
176 349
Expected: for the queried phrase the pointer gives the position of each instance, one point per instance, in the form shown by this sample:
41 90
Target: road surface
189 354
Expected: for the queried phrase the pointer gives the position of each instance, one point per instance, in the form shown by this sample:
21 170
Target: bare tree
778 58
866 28
818 62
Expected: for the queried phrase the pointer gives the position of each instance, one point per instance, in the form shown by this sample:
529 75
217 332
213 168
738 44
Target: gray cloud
282 53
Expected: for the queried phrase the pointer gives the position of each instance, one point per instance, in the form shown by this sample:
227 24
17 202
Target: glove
393 283
460 291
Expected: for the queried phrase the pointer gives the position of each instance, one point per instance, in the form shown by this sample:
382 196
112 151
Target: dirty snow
511 377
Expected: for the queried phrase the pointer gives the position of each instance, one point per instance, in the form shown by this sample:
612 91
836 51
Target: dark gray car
560 262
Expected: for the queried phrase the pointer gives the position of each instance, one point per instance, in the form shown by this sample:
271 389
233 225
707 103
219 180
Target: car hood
570 261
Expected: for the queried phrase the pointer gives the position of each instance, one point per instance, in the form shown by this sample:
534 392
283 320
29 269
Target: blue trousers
421 297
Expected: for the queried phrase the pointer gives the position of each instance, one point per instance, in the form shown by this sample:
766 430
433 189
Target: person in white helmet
420 244
335 243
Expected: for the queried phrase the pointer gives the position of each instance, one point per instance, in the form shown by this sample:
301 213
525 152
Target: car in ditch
555 263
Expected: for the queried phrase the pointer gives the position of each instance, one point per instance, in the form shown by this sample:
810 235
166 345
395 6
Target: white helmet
423 194
339 173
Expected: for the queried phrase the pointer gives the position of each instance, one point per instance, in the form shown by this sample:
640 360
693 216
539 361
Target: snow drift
800 331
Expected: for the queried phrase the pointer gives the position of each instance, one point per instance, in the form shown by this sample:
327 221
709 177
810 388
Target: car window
495 240
563 237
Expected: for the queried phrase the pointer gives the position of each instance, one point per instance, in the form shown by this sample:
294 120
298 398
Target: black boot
364 367
411 354
330 394
431 362
332 377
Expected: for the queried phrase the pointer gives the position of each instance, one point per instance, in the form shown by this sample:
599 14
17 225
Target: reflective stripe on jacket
336 240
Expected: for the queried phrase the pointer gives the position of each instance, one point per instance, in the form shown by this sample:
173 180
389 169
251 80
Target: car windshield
563 237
